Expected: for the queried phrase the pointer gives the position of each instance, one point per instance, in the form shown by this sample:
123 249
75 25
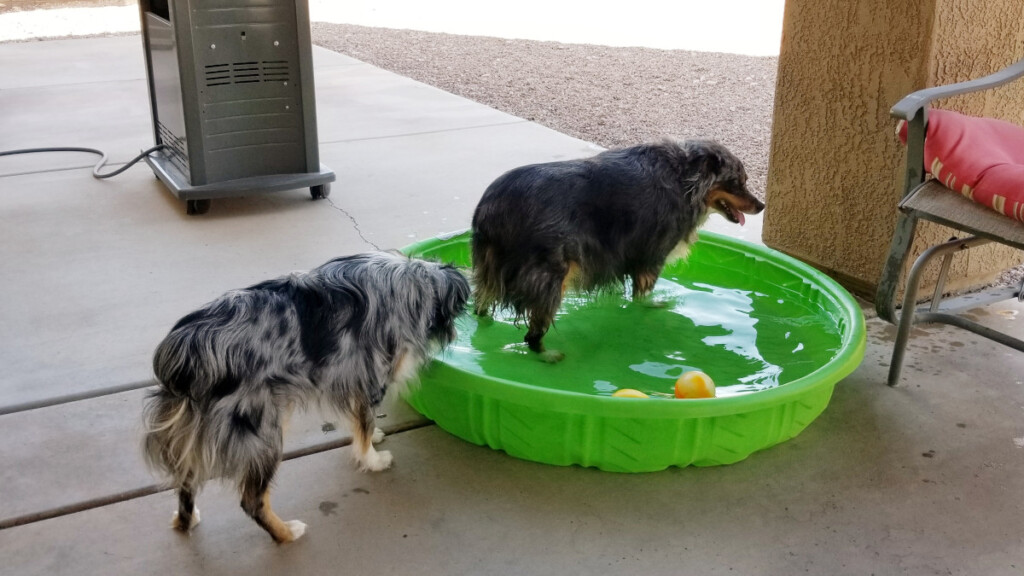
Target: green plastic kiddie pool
774 334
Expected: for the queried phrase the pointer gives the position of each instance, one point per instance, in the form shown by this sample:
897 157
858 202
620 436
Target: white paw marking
297 528
552 356
176 524
374 461
378 435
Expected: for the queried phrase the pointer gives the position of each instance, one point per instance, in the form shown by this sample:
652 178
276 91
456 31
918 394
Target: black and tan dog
337 337
589 223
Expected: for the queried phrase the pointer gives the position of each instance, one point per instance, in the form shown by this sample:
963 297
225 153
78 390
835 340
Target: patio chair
944 200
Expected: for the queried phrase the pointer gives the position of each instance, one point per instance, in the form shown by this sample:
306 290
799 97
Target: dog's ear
451 294
708 157
713 163
457 290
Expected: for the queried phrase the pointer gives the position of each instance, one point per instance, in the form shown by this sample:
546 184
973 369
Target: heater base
198 197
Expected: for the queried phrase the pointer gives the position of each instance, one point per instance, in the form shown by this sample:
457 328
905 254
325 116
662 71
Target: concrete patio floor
923 479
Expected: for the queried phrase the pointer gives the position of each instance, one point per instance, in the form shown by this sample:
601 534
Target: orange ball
695 384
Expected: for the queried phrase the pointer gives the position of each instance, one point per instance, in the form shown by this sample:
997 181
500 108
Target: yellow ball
629 393
695 384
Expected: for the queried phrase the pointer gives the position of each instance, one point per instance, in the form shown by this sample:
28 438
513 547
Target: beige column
835 166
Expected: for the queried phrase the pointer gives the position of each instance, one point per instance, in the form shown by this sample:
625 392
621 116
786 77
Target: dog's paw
375 461
176 521
297 528
378 436
552 356
655 303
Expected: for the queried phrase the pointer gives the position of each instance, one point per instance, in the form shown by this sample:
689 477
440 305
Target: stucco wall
835 167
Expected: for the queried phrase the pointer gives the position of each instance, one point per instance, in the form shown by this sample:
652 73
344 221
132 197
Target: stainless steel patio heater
231 94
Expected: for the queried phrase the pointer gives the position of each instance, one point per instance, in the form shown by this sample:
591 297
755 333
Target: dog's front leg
538 326
364 434
643 285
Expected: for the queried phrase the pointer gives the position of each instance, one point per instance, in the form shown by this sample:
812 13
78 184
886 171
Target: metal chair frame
929 200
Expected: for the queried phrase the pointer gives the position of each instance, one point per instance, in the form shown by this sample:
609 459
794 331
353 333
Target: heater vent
175 147
247 73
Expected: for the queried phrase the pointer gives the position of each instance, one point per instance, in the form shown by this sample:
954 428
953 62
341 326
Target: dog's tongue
739 216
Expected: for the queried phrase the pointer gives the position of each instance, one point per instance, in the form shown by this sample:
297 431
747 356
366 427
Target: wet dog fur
337 337
542 229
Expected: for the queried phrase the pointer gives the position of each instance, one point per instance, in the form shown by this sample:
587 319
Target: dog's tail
172 443
172 446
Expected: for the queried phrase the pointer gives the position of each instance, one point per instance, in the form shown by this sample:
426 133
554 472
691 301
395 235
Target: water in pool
745 339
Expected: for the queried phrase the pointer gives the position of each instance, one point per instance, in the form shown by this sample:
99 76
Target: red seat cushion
981 158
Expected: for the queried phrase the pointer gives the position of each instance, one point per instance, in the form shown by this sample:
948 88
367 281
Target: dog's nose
754 205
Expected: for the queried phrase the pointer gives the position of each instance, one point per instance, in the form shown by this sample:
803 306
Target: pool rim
844 362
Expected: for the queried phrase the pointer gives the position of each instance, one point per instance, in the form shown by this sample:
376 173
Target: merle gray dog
337 337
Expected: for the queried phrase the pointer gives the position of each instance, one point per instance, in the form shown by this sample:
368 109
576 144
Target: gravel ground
27 5
612 97
609 96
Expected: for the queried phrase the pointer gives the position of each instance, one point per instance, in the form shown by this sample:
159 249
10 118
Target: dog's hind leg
255 488
187 515
539 323
548 293
487 282
364 434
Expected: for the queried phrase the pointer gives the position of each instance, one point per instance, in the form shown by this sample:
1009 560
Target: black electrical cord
96 169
